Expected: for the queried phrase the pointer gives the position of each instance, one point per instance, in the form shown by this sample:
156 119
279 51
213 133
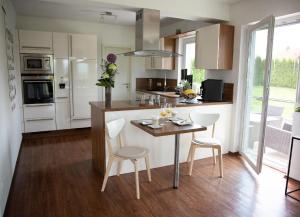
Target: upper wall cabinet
35 42
163 63
82 46
214 47
60 45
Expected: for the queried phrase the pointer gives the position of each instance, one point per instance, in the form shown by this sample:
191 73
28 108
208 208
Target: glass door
259 50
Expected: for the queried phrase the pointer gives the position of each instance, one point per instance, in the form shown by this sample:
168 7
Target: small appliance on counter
212 90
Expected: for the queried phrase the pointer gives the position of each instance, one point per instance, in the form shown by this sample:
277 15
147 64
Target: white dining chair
132 153
205 120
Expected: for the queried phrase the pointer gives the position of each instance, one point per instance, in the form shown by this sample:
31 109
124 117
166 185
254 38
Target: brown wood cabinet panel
169 45
226 46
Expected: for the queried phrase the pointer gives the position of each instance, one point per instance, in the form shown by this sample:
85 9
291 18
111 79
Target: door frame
103 47
270 20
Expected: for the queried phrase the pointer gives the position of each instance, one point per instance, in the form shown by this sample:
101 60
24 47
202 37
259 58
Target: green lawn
276 95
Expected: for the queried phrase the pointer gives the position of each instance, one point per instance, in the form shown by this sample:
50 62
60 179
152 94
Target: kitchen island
161 148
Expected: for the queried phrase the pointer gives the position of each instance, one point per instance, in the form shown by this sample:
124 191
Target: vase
107 96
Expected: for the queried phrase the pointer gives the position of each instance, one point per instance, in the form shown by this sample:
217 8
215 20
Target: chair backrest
287 126
205 119
113 130
275 110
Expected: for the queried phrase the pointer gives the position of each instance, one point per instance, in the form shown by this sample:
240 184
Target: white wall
10 121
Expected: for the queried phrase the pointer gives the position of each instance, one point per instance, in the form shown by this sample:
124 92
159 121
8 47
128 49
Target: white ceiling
88 11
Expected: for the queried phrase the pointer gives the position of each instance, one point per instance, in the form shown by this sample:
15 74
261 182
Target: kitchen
58 61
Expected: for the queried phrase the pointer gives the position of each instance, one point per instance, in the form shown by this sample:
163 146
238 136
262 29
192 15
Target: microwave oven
36 64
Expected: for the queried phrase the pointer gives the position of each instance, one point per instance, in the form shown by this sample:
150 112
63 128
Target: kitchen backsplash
157 84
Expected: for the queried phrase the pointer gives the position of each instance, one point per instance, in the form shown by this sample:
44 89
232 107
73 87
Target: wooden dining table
168 128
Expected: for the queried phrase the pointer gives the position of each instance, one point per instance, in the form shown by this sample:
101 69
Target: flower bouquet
107 78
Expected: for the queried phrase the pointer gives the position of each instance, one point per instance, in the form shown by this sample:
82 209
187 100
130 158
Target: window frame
185 41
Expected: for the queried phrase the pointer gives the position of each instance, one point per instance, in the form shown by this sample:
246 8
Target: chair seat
132 152
207 141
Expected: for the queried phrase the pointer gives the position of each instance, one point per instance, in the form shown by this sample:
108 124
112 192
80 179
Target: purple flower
111 58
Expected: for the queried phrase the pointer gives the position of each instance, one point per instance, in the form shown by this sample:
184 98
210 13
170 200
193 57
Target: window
188 60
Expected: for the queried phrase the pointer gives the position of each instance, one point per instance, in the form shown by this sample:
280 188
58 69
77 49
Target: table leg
176 162
289 166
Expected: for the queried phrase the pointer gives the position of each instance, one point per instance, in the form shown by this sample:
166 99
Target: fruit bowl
189 94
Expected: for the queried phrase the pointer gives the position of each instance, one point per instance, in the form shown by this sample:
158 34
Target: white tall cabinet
75 77
83 76
35 42
62 83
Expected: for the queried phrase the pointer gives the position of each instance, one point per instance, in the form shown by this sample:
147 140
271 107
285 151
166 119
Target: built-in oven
38 89
36 64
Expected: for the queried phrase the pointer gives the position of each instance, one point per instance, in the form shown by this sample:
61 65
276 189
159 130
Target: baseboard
55 133
234 153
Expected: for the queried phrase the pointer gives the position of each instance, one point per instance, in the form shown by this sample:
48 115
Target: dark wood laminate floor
54 177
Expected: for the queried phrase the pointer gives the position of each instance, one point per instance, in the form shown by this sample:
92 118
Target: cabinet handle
41 119
79 118
36 48
71 90
61 97
37 105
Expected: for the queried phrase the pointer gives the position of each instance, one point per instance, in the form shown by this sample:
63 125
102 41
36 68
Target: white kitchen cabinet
37 111
35 42
39 125
154 63
83 46
39 117
214 47
61 76
63 114
60 45
83 88
163 63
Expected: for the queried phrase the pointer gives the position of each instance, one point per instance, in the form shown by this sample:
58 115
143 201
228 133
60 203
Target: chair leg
214 156
110 161
220 161
137 184
147 161
189 154
192 159
120 162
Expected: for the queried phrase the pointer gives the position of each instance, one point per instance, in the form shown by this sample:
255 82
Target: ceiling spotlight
107 15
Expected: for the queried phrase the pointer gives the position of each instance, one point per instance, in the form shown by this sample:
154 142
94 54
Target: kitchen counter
159 147
135 105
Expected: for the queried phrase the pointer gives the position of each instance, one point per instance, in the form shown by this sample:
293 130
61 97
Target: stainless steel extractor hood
147 33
